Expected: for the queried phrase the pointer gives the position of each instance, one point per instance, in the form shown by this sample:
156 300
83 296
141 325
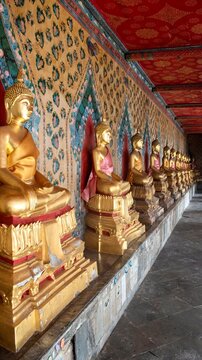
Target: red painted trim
16 220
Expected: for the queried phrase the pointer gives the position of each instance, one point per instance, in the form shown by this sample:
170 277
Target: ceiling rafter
183 105
188 117
176 87
162 53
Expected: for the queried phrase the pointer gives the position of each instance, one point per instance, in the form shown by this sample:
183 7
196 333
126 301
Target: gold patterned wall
74 77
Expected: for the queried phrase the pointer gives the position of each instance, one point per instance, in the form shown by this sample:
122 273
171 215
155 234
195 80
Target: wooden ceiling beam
183 105
193 131
162 53
188 117
176 87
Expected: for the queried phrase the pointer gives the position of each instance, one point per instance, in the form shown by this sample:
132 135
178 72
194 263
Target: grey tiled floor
164 319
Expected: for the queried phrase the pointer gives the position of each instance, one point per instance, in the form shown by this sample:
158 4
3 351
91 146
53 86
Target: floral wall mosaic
73 76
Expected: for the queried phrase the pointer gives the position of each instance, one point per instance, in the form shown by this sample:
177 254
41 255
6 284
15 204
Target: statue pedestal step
175 194
107 229
42 269
35 312
146 203
149 211
165 199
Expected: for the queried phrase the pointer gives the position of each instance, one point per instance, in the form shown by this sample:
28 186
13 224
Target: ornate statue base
146 203
108 230
172 185
188 179
184 181
34 287
163 194
180 184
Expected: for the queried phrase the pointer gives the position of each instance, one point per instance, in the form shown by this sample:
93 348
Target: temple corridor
164 319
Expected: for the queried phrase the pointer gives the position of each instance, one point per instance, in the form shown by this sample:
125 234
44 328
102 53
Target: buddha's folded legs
14 202
112 188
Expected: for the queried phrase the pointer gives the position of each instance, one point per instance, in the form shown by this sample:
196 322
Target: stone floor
164 319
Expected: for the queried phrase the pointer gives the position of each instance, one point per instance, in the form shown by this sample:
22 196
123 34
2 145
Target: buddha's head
156 146
172 153
166 151
137 141
103 133
19 101
178 155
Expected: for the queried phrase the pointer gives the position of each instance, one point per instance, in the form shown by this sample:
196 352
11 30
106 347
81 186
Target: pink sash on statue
157 164
106 167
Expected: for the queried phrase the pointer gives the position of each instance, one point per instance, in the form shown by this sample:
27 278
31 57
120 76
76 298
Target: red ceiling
156 24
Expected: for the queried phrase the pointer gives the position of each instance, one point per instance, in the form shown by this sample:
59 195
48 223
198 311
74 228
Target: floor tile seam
150 321
163 345
168 317
175 313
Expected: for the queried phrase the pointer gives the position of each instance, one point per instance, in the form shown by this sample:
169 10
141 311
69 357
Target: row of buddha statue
42 264
119 211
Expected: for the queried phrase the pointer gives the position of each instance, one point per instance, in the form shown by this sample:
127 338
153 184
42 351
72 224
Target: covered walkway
164 319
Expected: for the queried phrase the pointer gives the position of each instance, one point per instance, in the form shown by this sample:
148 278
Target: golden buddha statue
190 171
107 182
180 181
106 194
172 159
160 177
169 167
142 185
184 172
36 224
24 191
195 171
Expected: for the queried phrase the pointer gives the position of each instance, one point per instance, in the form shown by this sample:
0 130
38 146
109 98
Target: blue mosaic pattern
124 128
10 60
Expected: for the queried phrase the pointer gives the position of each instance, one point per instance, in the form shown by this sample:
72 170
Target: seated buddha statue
188 162
102 179
157 172
142 185
36 241
180 179
106 194
168 167
160 177
24 191
137 175
172 159
166 158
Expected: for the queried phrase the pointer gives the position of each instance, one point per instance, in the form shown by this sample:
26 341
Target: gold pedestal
172 185
146 203
163 194
32 290
180 184
184 181
111 223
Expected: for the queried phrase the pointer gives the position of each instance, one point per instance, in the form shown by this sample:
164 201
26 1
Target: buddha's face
156 148
167 152
172 154
22 108
138 144
107 136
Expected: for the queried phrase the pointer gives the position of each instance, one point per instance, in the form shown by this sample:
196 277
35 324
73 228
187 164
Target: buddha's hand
117 177
45 189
